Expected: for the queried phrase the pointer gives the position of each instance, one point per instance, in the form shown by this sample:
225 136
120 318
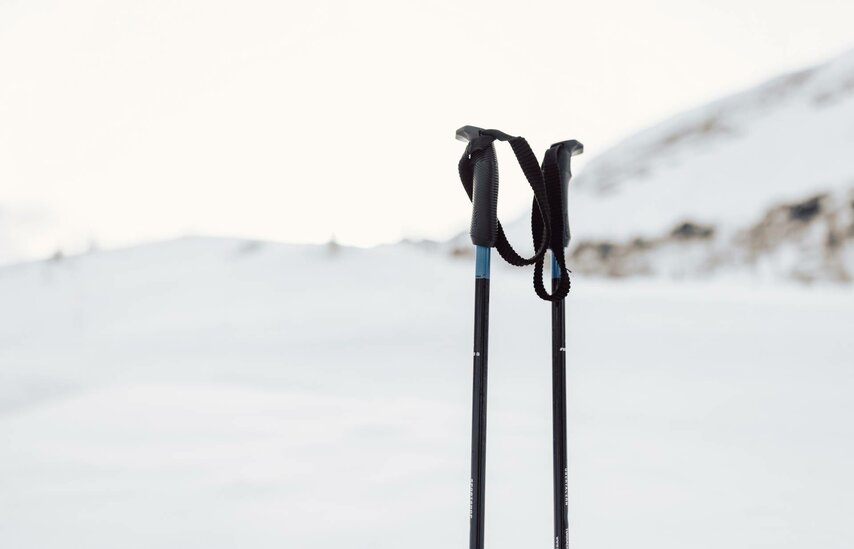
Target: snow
222 393
724 163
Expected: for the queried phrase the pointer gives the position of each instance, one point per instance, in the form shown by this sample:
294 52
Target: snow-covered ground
221 394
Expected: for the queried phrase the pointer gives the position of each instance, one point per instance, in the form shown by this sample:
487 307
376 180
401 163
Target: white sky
128 121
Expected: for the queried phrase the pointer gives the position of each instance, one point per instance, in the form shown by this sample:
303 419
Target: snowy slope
724 169
223 393
726 162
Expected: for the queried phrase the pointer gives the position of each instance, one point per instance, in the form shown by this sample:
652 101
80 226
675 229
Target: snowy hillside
229 394
761 182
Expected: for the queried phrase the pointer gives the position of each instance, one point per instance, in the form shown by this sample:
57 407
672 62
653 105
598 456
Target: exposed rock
806 211
460 251
689 230
709 126
807 241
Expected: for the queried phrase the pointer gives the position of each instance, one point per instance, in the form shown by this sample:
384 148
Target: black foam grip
563 160
484 216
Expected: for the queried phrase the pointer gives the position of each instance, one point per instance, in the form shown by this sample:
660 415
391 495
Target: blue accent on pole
482 265
555 267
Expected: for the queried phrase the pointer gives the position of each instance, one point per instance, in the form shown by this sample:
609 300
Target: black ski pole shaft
565 150
559 457
480 156
477 485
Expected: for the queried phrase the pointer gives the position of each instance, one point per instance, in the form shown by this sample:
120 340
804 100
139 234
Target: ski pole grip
565 151
484 164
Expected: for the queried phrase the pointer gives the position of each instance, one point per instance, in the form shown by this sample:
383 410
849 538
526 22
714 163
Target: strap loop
547 219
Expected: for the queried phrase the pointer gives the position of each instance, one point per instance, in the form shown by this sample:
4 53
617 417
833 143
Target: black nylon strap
546 215
551 175
530 167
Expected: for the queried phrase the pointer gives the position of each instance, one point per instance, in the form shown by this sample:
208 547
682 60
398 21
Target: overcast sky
122 121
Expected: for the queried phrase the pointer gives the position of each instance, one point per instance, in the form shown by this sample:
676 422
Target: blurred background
236 280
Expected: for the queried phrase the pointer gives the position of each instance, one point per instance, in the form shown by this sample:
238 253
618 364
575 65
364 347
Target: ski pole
484 228
479 174
565 151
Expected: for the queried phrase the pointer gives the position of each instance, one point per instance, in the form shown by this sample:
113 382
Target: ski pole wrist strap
478 170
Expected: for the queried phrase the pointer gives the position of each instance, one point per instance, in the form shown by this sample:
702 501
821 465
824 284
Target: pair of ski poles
550 182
